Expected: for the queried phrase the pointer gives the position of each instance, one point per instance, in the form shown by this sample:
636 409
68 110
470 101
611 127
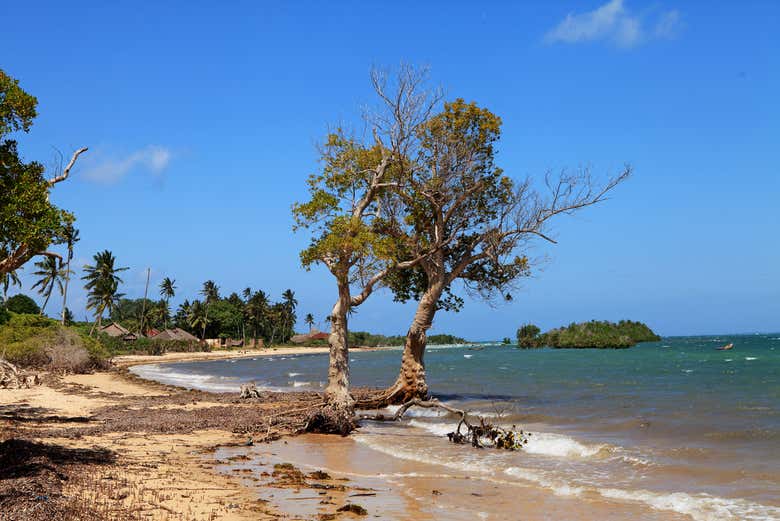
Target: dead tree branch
479 435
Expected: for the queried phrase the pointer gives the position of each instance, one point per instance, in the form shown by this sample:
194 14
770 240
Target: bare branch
64 175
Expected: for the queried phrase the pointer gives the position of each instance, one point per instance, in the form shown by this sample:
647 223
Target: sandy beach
129 448
133 449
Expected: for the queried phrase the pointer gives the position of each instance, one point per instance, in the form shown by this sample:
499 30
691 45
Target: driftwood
480 435
12 378
249 391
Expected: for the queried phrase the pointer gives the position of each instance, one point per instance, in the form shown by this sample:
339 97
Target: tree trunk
205 323
46 301
65 291
337 416
411 383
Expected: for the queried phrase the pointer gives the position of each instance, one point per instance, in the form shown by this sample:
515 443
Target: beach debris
12 378
249 390
479 435
319 474
355 509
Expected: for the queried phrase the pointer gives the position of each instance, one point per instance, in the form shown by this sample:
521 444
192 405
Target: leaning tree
29 223
345 217
471 224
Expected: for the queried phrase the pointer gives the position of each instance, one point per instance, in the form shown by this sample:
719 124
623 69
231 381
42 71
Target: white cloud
668 24
612 22
153 159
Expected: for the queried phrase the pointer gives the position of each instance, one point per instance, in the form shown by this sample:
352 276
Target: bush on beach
40 342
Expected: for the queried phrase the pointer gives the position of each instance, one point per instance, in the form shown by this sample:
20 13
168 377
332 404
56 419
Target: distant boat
726 347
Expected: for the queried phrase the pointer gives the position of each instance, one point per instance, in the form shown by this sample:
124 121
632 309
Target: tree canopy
29 223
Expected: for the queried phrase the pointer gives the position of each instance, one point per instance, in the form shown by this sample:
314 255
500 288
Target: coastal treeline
33 231
417 203
593 334
363 338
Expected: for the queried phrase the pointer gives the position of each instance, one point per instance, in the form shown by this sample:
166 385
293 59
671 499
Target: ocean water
674 425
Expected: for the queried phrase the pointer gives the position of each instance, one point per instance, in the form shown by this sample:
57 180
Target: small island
594 334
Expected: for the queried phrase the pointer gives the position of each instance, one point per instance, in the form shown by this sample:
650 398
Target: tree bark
337 415
411 383
338 367
65 291
46 301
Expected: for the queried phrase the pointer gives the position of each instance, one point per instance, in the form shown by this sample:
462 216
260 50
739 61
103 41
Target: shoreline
156 442
123 361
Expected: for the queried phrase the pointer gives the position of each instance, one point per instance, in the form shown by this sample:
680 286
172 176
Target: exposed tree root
479 435
397 394
331 418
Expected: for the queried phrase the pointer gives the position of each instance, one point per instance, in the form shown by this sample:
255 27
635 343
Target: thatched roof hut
114 329
175 333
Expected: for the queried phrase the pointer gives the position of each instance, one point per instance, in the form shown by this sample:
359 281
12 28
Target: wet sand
413 490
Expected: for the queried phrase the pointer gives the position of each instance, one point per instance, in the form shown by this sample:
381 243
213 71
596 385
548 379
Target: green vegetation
29 340
29 223
102 285
22 304
50 274
527 335
598 334
363 338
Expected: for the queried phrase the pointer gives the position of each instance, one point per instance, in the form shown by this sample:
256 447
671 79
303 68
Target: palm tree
309 320
167 291
51 274
7 280
182 315
71 238
256 310
210 294
102 284
196 316
289 303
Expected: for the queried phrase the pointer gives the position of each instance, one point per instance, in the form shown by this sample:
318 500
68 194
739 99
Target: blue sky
202 122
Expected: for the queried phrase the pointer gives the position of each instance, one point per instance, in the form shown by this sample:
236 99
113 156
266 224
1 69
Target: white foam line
701 507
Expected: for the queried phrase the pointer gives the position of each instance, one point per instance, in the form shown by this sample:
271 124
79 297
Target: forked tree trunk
337 415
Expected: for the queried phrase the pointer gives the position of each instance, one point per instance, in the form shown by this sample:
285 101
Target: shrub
600 334
22 304
5 315
528 336
149 346
36 341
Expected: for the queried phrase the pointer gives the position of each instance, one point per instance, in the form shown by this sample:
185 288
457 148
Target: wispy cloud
615 23
153 159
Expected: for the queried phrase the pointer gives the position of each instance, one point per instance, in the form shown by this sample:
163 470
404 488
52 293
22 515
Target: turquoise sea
675 424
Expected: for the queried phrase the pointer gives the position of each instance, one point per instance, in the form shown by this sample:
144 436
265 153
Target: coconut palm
71 238
7 280
51 274
167 291
181 319
289 303
102 285
210 294
197 317
309 320
256 313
